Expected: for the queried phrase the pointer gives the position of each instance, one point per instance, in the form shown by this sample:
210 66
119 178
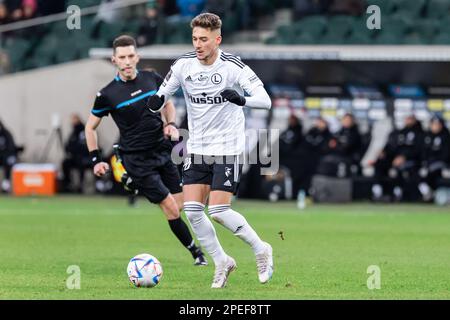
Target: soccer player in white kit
213 83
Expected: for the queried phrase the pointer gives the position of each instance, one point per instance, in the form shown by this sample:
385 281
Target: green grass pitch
324 255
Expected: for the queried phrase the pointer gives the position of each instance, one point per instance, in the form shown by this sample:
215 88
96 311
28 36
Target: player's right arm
90 130
170 85
101 108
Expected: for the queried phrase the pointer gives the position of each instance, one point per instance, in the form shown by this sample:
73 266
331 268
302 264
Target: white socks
204 230
237 224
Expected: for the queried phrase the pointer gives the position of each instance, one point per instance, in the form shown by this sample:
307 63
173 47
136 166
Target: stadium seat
386 6
47 48
131 27
305 31
17 49
84 47
286 34
230 23
426 28
387 38
338 29
177 33
304 38
414 38
444 25
109 31
409 8
359 33
313 25
437 9
37 62
66 51
277 40
441 39
392 30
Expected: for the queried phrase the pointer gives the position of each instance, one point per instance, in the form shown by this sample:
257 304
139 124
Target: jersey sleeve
101 106
171 82
248 80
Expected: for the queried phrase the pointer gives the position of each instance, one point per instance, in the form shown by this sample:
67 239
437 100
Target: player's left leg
220 211
225 181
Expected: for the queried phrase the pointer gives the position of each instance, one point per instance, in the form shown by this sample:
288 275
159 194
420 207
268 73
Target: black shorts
155 174
220 172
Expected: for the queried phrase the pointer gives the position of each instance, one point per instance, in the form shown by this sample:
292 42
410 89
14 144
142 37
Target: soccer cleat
222 272
264 263
200 261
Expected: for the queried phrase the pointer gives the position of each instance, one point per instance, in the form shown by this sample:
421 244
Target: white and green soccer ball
144 270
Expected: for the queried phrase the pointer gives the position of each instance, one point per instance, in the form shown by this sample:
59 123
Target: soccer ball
144 270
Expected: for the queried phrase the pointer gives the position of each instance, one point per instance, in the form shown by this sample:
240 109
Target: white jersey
216 126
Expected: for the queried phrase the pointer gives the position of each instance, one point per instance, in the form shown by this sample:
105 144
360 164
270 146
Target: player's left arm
249 82
169 114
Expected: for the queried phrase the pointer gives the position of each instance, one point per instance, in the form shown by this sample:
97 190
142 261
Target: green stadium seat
312 25
393 29
308 30
17 49
437 9
84 47
66 52
109 31
386 6
359 33
388 38
441 39
230 23
275 40
131 27
427 28
304 38
339 28
414 38
444 25
286 34
47 47
177 33
412 8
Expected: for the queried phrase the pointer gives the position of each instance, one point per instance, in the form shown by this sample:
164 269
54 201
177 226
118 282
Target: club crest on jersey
216 78
187 164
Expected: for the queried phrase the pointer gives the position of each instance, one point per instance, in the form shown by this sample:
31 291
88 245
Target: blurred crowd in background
19 10
408 168
414 162
153 22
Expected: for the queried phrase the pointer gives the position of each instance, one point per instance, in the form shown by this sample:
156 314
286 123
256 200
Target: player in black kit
144 147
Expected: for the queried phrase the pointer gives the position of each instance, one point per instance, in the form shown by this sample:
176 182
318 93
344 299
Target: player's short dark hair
124 41
207 20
